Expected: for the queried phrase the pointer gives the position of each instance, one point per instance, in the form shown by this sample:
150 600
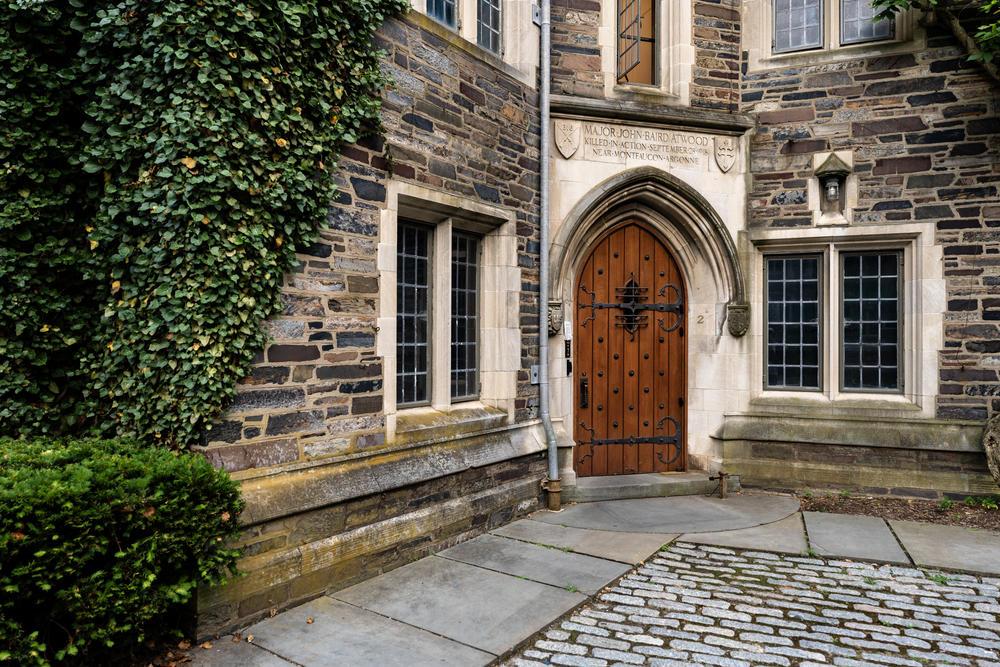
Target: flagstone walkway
746 580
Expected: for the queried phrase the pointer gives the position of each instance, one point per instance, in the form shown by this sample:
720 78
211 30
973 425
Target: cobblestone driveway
695 604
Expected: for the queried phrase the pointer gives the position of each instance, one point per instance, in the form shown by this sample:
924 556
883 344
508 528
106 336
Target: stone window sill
820 404
425 423
835 54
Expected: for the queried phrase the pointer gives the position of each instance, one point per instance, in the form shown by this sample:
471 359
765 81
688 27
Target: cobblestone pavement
703 605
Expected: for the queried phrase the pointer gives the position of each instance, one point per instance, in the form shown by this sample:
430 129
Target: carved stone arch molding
687 221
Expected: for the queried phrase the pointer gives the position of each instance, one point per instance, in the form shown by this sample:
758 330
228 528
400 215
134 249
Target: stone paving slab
545 565
679 514
852 536
951 547
227 653
623 547
488 610
341 634
784 536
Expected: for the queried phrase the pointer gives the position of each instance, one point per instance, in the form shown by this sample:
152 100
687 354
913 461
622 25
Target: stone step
649 485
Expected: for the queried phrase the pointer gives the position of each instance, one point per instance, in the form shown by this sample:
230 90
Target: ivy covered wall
159 165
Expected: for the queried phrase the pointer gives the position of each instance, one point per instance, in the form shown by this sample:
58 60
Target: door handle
584 390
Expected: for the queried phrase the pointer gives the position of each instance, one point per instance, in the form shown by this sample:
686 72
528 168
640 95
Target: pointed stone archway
688 222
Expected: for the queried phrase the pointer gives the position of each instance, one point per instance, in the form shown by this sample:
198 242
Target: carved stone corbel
738 319
555 317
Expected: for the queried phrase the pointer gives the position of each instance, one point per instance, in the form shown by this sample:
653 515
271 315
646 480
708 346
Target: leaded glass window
857 23
870 306
443 11
488 25
637 41
793 322
798 25
464 316
412 321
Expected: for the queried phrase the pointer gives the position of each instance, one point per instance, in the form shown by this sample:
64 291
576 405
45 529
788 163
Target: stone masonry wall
454 122
576 54
925 133
716 38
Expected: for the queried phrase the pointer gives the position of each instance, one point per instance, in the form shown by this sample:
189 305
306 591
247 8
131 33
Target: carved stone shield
738 317
726 149
567 136
555 317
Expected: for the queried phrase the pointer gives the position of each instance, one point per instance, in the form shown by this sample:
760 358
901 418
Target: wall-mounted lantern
832 176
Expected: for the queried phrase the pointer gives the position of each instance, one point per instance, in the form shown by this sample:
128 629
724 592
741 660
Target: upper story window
443 11
637 52
800 25
486 29
488 24
858 24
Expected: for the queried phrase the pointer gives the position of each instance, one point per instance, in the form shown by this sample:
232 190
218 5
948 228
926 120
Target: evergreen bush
102 543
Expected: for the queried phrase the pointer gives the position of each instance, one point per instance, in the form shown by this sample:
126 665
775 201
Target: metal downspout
552 484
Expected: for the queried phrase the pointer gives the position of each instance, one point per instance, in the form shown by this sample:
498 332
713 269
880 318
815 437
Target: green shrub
102 543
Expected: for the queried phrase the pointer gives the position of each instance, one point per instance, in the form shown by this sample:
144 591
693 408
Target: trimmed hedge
103 543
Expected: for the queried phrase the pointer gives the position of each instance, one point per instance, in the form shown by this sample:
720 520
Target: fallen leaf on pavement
207 645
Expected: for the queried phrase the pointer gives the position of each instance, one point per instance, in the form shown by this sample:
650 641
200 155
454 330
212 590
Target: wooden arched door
631 376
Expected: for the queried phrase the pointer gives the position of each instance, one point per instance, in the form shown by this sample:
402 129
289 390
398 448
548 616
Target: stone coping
292 491
657 115
455 40
426 424
927 434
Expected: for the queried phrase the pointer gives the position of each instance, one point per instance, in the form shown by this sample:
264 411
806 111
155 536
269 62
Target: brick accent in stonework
454 121
926 142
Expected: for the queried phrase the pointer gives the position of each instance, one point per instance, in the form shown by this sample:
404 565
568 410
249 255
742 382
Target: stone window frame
758 38
674 46
923 309
499 324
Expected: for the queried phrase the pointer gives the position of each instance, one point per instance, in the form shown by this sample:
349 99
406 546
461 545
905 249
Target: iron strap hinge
637 440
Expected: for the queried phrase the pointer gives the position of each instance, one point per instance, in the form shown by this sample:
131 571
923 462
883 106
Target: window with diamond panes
798 25
443 11
412 321
464 316
857 23
488 25
792 331
870 307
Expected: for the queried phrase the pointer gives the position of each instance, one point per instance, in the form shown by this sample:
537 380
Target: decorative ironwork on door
632 301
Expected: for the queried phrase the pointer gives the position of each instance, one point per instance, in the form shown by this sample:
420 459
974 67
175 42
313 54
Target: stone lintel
671 117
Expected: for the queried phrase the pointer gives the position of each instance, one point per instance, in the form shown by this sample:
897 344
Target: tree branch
968 42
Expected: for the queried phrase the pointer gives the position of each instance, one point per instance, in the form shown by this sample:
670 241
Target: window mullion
440 353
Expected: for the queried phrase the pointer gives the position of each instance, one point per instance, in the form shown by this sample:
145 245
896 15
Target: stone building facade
727 189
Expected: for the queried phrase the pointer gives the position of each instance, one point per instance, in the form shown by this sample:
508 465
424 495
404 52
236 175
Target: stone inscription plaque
618 143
